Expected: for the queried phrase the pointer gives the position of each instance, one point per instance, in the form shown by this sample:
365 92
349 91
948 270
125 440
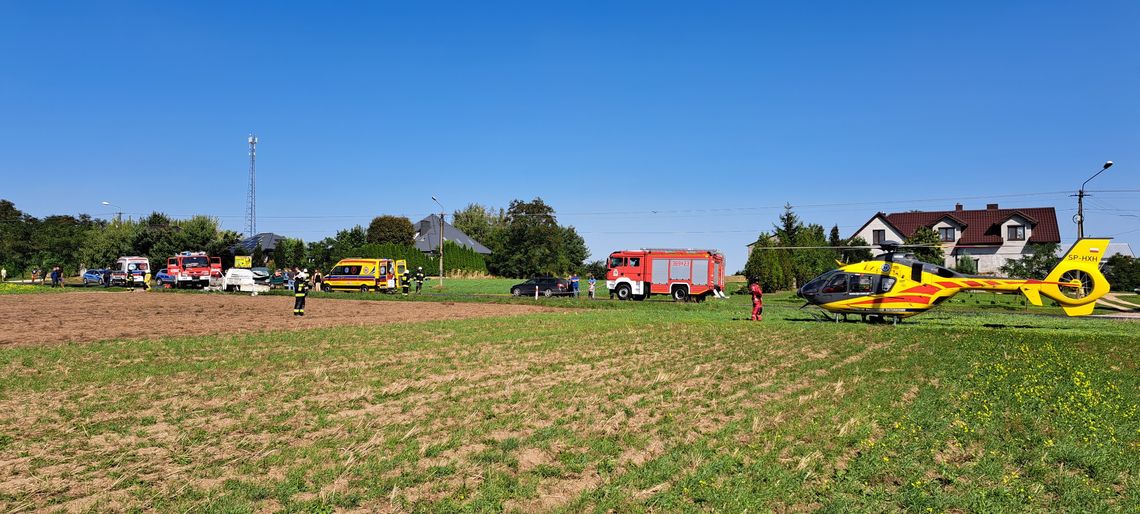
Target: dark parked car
93 277
546 286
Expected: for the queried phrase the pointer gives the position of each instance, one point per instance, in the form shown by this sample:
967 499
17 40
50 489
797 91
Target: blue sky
711 114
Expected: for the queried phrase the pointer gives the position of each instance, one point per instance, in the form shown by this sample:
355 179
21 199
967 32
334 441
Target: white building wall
948 248
990 258
868 232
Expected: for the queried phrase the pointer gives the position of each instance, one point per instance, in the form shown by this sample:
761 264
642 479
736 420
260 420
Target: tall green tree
1122 272
930 249
15 238
813 259
766 265
479 222
257 259
858 251
390 229
532 243
834 239
1040 260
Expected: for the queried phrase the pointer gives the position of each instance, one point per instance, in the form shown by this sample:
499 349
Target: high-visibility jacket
419 275
300 288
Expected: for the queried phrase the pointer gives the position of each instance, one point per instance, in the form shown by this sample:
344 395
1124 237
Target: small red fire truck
681 273
193 269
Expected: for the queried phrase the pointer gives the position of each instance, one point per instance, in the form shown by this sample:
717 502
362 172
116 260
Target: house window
878 236
1016 233
946 234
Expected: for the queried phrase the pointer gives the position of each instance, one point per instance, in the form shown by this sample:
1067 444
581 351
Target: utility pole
442 211
1080 217
251 196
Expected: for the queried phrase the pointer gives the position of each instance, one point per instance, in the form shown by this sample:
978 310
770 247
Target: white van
130 271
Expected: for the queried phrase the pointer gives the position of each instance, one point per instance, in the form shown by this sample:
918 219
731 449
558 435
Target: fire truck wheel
623 292
680 294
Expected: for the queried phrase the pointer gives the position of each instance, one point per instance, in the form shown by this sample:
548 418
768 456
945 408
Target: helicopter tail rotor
1076 282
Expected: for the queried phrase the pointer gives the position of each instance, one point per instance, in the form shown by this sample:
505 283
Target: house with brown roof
989 236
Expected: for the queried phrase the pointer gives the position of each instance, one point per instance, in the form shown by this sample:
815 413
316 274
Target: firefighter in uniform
757 301
300 291
406 279
419 278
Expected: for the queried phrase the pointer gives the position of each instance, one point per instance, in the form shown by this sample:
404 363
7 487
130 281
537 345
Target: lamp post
1080 217
442 211
119 213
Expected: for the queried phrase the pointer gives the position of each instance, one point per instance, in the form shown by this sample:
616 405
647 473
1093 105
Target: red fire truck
681 273
193 269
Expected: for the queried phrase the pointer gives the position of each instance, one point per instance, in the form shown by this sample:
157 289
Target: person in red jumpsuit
757 301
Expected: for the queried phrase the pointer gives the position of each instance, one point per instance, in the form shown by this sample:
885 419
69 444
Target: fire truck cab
681 273
193 269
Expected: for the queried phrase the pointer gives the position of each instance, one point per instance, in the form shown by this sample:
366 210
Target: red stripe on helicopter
993 282
923 289
972 283
896 299
950 285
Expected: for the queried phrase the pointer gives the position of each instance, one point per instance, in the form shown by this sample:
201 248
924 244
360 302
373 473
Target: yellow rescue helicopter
891 287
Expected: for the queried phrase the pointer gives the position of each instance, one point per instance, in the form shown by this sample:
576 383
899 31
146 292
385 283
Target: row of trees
525 239
75 242
794 253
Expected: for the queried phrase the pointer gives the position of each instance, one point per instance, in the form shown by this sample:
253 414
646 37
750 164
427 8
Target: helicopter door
861 285
916 272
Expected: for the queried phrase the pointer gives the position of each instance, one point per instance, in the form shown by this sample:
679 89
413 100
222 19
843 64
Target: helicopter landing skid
821 314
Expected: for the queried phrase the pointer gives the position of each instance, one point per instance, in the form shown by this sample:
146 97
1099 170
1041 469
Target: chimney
991 206
957 206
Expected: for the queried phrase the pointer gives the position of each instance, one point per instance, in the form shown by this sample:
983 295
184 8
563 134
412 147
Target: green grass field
626 406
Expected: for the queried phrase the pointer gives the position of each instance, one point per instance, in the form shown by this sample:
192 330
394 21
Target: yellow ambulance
384 275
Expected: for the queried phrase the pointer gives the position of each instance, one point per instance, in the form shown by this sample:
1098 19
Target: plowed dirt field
97 316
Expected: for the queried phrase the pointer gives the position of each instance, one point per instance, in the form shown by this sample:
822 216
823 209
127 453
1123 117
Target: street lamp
1080 217
442 211
119 213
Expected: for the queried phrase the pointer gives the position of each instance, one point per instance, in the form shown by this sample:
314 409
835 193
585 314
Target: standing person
318 280
406 279
300 291
3 274
419 278
757 302
106 277
574 284
593 282
146 280
55 277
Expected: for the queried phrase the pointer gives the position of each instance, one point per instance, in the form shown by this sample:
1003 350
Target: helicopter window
817 282
837 284
861 283
885 284
940 271
916 272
